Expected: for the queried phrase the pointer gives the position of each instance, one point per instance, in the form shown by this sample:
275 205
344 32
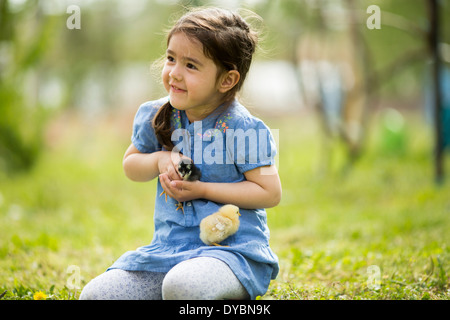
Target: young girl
208 55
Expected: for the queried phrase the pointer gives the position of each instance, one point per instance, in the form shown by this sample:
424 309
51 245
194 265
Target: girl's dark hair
227 39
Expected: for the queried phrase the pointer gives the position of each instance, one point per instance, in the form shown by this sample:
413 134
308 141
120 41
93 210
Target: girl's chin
177 104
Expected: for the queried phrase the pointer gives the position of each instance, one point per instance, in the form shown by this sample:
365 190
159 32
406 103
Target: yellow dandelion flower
39 296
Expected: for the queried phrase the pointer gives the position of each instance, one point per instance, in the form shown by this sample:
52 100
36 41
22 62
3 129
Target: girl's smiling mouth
176 89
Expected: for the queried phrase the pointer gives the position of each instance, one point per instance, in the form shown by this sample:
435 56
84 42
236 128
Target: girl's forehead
180 41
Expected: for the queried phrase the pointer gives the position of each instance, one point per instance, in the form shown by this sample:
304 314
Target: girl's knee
201 279
176 287
99 288
182 283
91 292
124 285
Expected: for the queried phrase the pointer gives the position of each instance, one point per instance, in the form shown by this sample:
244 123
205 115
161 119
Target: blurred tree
21 49
434 34
36 45
345 67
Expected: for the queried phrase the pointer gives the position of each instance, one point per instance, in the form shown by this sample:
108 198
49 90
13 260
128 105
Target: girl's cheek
165 78
165 72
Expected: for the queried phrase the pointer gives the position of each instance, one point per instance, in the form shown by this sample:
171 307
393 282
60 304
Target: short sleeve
143 136
250 144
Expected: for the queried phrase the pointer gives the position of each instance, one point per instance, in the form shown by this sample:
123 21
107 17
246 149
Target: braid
162 126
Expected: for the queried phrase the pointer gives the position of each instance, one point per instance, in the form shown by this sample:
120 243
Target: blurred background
359 91
326 57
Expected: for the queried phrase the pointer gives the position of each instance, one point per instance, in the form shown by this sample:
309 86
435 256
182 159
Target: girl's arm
262 189
143 167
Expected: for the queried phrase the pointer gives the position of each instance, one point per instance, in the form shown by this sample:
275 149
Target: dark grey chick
189 172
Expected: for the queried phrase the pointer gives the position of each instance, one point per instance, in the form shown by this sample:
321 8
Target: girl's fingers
173 188
165 181
178 189
172 173
176 185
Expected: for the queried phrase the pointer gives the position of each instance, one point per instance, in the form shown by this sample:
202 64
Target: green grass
76 208
384 211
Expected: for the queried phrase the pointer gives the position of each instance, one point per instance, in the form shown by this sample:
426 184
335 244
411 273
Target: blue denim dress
227 143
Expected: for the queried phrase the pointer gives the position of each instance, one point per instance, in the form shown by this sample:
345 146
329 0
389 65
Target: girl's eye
170 58
191 66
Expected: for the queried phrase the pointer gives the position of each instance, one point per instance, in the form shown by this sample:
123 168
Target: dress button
189 204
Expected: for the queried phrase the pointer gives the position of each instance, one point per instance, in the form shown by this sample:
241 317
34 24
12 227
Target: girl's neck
202 113
195 115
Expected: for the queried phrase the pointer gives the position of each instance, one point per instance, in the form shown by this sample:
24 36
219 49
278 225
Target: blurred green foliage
36 48
22 46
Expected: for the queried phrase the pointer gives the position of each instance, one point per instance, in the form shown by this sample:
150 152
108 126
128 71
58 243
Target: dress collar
180 119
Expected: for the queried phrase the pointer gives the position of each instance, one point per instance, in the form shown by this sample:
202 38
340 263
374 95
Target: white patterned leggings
199 278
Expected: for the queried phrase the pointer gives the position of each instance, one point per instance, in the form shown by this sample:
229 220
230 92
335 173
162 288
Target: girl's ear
229 80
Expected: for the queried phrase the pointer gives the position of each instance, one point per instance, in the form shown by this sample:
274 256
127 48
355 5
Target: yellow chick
220 225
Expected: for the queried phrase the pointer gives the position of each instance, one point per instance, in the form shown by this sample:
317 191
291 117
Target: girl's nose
175 73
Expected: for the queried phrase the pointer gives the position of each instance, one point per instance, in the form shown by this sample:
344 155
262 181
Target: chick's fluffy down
220 225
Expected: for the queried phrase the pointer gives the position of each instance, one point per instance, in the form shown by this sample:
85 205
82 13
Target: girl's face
190 78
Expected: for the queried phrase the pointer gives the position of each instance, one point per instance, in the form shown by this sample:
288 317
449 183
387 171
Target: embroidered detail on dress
209 133
176 119
220 127
221 124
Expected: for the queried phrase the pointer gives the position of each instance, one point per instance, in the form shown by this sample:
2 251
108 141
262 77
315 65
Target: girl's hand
168 163
181 190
